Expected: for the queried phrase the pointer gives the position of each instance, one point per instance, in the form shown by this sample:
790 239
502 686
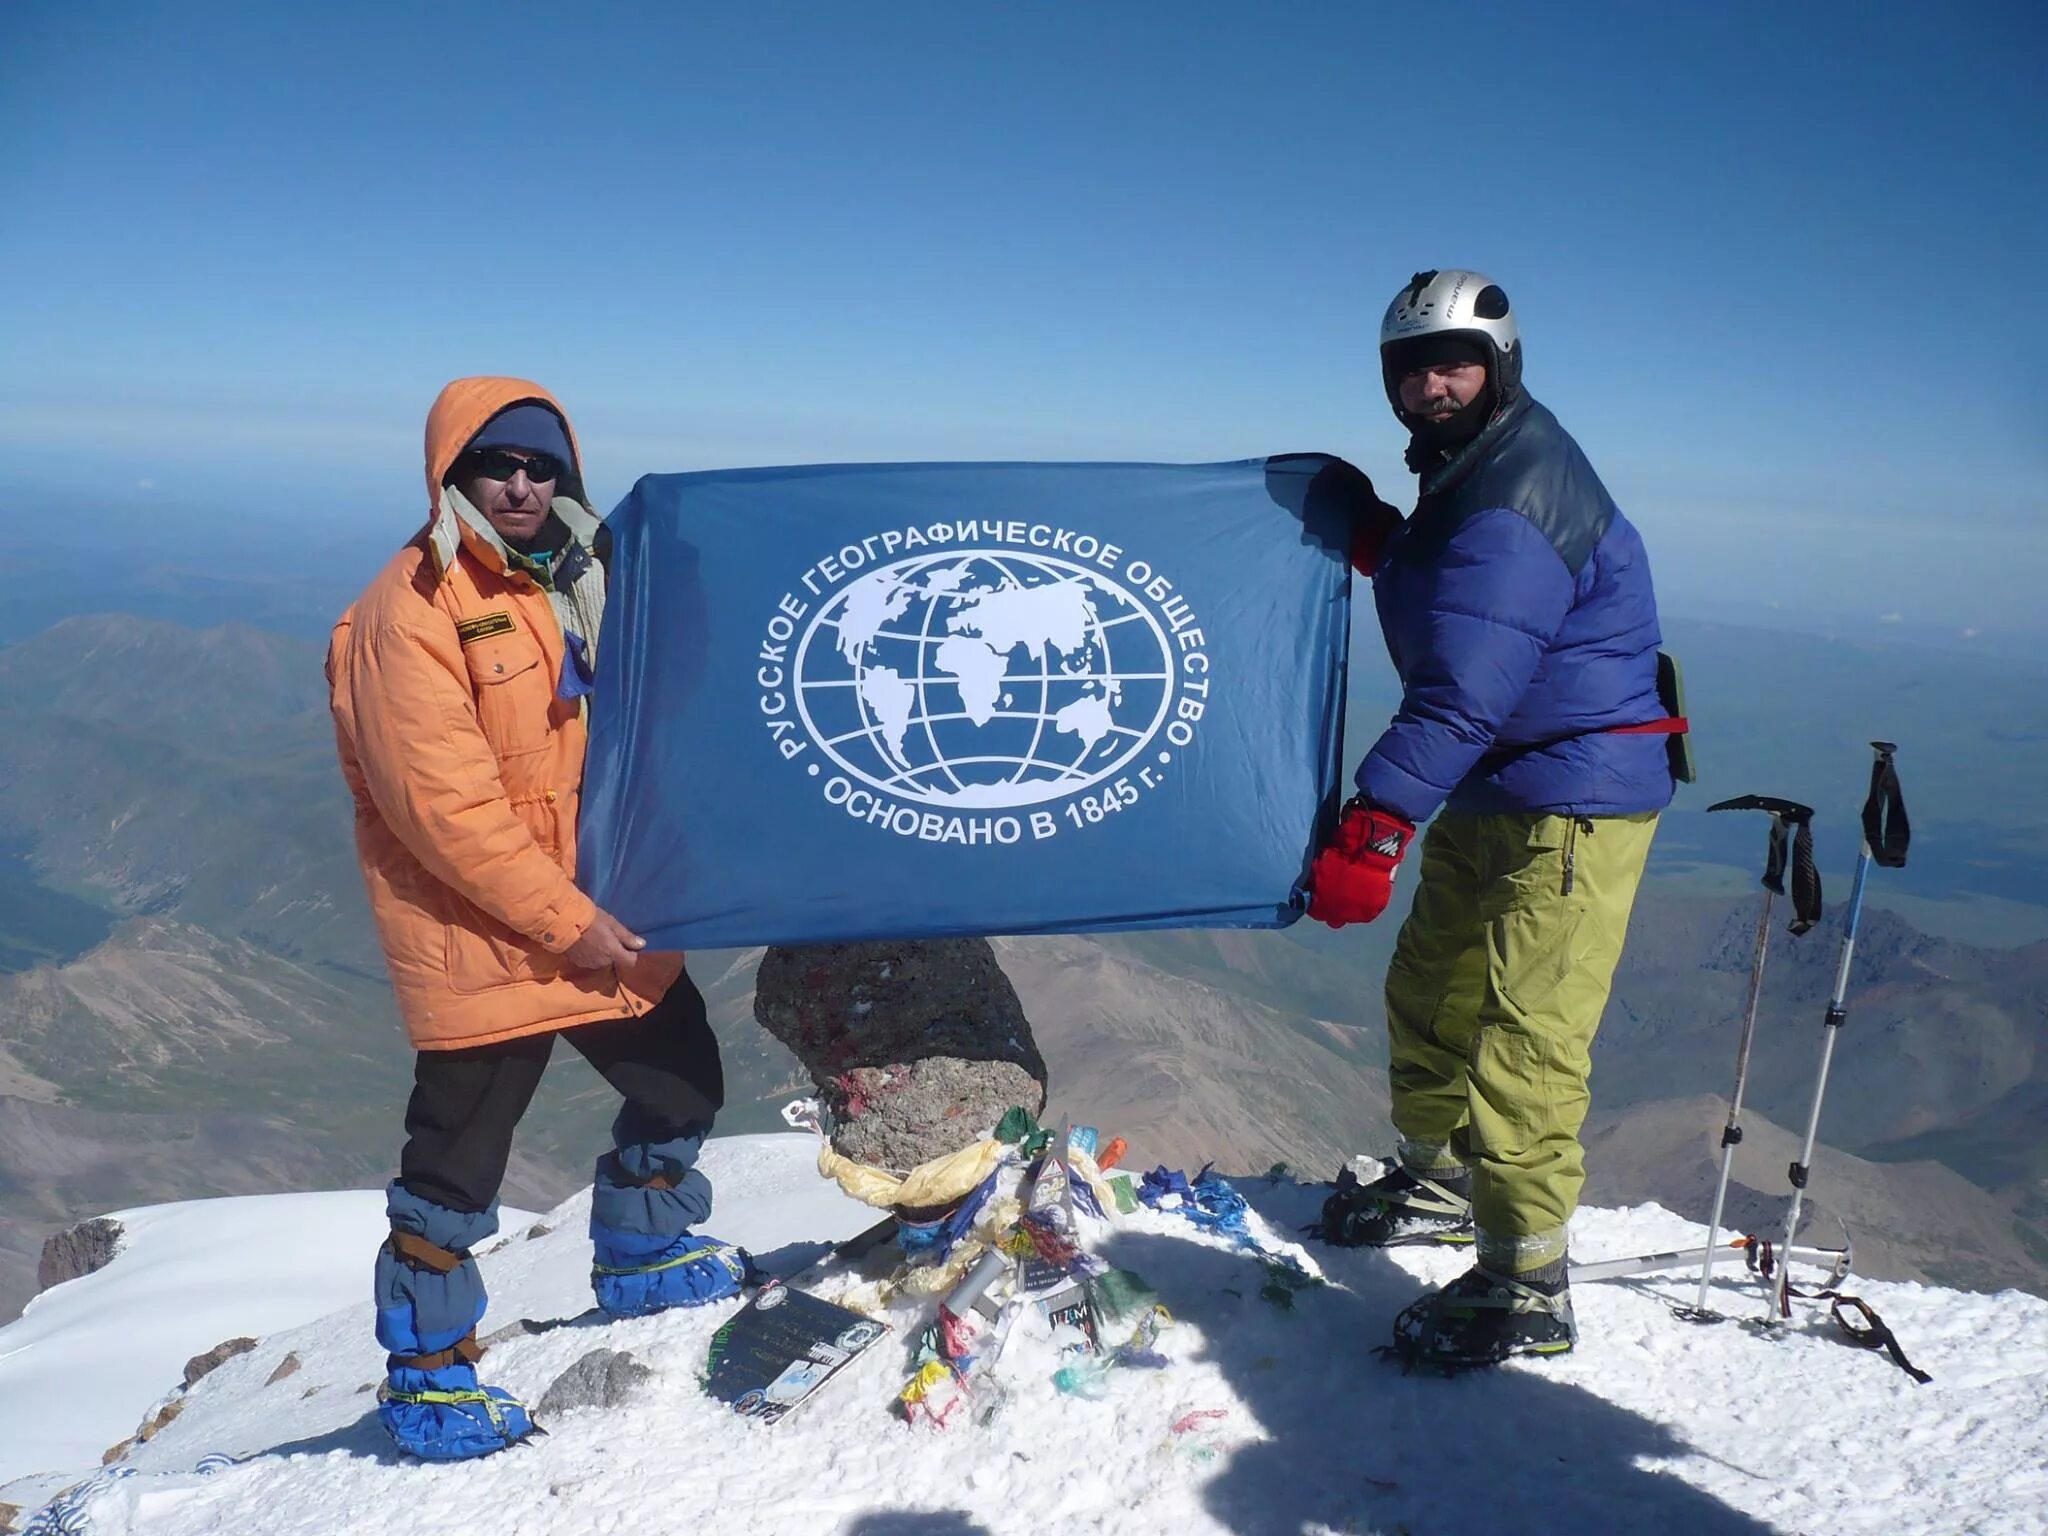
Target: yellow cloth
1084 1168
942 1181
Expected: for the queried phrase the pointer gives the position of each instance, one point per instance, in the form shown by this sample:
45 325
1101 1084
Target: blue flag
923 700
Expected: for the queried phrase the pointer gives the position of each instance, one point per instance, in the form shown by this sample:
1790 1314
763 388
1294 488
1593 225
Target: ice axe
1791 844
1886 833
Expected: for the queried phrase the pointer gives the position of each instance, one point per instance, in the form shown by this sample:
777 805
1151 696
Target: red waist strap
1670 725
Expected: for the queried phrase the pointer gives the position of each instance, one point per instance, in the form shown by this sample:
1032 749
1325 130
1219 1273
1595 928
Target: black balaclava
1434 440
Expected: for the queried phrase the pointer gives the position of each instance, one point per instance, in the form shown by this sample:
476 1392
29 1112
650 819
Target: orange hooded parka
467 768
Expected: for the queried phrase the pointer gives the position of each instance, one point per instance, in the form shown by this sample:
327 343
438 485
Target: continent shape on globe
1024 643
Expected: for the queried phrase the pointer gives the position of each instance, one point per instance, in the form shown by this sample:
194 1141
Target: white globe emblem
984 680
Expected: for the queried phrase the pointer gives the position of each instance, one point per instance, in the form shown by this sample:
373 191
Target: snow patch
88 1358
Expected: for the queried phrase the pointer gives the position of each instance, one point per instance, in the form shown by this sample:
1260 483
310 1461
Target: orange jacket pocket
514 698
483 954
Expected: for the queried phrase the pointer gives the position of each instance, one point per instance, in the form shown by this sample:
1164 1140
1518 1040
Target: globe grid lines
1044 686
1063 771
922 706
872 726
1040 778
861 734
894 634
1109 675
1090 677
1044 713
907 774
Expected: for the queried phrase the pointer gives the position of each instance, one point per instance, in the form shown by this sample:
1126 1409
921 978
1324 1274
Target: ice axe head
1787 814
1789 810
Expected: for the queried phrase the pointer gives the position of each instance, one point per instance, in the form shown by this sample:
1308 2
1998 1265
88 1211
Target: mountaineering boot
1482 1318
646 1198
1397 1209
430 1297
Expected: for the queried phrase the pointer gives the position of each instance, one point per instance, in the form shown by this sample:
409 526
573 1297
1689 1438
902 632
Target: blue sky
1780 268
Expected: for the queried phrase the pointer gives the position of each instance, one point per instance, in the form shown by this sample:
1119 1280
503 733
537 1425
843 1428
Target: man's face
1441 390
505 485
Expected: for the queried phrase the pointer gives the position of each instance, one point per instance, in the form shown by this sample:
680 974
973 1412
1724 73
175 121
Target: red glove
1370 529
1352 880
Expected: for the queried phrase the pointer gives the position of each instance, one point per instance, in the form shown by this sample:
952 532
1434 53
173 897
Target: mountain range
191 1000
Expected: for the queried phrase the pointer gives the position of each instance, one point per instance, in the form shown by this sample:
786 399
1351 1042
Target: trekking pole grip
1806 898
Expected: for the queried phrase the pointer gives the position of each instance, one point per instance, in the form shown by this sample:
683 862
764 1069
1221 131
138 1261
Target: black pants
465 1103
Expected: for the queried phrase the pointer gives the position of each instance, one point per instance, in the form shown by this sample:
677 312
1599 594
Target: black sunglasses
497 464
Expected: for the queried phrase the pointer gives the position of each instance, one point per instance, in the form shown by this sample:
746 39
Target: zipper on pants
1571 848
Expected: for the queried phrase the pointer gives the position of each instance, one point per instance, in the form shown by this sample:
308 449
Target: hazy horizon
1773 270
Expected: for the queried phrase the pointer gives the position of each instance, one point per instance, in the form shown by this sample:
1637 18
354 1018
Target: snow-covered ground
1268 1420
81 1363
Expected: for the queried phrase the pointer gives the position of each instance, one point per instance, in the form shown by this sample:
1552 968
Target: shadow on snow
1354 1445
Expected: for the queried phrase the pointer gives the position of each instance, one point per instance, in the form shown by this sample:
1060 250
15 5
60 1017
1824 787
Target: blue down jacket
1518 610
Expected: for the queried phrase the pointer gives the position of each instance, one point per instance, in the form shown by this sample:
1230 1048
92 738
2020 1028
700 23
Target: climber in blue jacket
1518 610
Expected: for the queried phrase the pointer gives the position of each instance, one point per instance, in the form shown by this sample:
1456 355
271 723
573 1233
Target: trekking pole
1885 835
1806 909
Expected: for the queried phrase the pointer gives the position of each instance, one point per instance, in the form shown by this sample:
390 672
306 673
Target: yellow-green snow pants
1499 978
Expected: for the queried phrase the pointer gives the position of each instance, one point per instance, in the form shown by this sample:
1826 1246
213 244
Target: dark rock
916 1048
205 1365
79 1250
10 1517
899 1117
114 1453
288 1366
604 1378
538 1229
161 1420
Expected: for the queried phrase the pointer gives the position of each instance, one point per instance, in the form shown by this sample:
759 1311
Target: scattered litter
1210 1204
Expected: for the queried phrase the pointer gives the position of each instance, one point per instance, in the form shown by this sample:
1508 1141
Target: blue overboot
430 1297
648 1196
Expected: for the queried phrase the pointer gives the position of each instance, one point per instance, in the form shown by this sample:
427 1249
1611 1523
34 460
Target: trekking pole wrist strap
1886 830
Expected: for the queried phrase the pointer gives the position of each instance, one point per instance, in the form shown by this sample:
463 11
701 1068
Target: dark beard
1454 428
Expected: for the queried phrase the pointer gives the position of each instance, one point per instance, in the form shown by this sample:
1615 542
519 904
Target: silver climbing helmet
1435 310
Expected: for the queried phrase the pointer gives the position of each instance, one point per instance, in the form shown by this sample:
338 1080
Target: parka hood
459 413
